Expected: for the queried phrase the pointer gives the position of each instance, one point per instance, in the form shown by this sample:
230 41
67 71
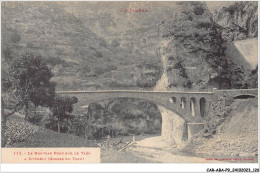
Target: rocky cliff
239 21
193 44
186 41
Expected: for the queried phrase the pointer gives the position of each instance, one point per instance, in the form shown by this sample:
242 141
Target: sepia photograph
133 81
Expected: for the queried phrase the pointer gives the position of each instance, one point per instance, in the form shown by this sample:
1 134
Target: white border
119 167
196 167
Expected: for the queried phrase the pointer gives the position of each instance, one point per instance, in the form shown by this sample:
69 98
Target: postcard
129 82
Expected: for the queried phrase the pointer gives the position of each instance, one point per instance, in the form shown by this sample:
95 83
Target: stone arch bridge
193 107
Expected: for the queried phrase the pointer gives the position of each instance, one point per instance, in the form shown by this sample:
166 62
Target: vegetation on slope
234 132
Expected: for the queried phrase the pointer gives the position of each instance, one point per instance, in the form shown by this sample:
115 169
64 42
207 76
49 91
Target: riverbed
148 149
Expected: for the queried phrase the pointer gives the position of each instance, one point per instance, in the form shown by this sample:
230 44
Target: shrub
198 10
117 84
92 48
8 54
18 131
29 45
232 9
146 75
61 108
55 61
187 84
35 117
6 83
103 44
98 54
85 68
15 37
252 79
101 70
52 123
115 43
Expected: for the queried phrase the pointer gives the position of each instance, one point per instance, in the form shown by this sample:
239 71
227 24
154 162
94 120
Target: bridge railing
236 92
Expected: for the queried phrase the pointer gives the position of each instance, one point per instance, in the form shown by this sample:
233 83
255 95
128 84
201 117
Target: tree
62 108
28 82
251 79
7 52
30 78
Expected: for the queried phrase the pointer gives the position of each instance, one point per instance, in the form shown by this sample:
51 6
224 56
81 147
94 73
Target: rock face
193 44
239 21
192 51
186 42
163 83
174 130
173 127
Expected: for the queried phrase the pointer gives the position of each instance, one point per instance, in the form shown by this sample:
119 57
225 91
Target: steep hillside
137 32
236 136
78 57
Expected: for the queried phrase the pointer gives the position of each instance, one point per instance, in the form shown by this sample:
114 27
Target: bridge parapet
236 92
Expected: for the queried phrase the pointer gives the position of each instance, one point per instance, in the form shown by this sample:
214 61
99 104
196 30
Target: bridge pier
188 107
197 110
194 128
174 129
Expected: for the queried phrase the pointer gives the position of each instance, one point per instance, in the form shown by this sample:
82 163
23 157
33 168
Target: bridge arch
173 100
203 104
83 101
244 96
183 103
193 104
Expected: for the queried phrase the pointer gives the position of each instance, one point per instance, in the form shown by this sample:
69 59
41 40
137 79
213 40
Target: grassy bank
49 138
